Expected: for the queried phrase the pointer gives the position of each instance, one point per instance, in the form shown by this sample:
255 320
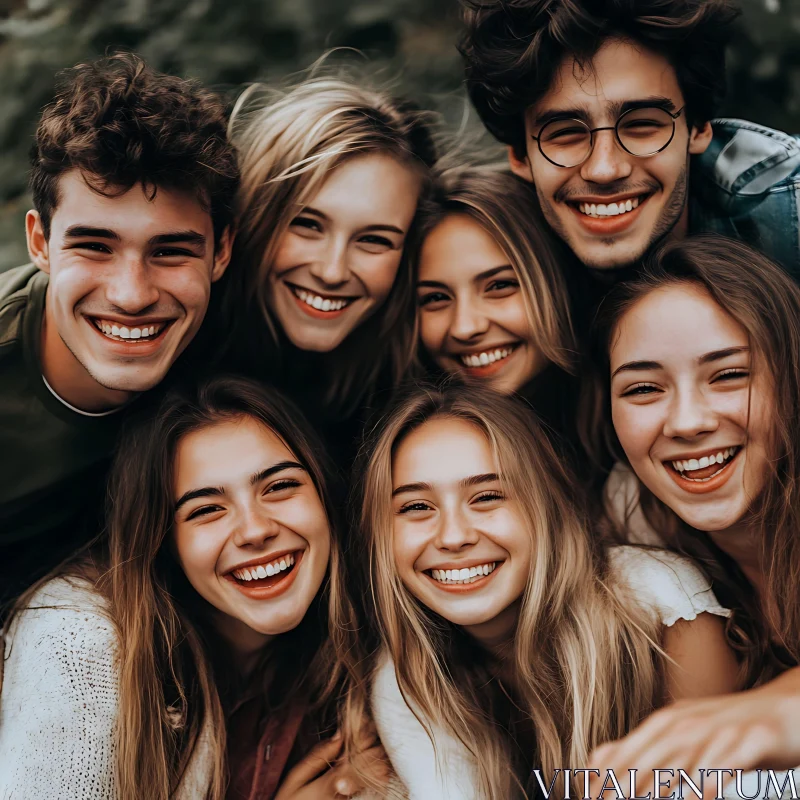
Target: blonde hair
506 208
584 656
288 142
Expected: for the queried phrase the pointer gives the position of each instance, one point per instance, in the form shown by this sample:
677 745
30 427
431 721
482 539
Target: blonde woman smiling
320 290
506 626
195 654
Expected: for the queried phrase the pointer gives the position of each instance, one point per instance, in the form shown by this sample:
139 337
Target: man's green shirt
53 458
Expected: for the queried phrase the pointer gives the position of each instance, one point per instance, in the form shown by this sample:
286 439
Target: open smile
705 473
464 579
141 338
484 363
319 306
608 217
266 579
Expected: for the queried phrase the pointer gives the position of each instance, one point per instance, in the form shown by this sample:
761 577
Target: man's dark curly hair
121 123
513 49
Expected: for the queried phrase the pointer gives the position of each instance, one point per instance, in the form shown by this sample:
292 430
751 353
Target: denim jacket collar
747 185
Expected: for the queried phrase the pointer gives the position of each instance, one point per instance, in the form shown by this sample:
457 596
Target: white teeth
264 570
318 302
121 332
610 209
465 575
485 358
691 464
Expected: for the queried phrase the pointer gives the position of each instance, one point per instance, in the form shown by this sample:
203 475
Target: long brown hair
288 143
765 301
168 688
580 645
507 209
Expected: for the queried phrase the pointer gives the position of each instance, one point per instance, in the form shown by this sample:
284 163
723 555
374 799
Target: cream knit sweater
59 699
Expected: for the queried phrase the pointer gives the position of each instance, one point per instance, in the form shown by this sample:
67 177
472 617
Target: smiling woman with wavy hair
319 296
193 650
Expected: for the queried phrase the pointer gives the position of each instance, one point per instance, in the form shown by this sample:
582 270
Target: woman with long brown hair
696 391
192 651
492 295
512 639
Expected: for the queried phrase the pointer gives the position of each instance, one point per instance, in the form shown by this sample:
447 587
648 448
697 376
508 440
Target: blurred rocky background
230 42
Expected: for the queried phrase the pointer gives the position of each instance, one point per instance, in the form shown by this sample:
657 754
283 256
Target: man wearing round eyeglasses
606 110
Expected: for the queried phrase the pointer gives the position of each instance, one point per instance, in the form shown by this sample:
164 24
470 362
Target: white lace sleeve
667 583
58 704
446 772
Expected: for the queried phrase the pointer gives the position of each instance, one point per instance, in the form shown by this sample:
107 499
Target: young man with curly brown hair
607 107
133 182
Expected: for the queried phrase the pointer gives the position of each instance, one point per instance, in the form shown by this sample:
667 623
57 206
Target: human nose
607 162
255 528
331 268
689 415
455 532
469 320
131 288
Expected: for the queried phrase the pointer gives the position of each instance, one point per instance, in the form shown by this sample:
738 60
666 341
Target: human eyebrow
179 237
412 487
540 120
615 108
489 273
476 480
718 355
653 101
431 285
636 366
314 212
390 228
90 232
206 491
273 470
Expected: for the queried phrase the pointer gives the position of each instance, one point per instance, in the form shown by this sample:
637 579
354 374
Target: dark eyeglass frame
614 128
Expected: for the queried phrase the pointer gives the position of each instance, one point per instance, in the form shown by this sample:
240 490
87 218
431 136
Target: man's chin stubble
667 221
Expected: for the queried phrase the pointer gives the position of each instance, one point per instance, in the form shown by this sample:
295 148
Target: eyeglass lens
641 131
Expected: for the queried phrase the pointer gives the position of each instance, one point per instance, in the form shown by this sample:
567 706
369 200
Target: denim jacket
747 185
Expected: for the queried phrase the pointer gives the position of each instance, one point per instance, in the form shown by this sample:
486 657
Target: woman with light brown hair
193 651
511 639
492 292
319 294
696 392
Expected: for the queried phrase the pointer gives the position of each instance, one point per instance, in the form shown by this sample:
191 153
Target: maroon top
256 760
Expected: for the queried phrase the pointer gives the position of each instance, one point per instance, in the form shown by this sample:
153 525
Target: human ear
700 138
521 167
38 248
222 253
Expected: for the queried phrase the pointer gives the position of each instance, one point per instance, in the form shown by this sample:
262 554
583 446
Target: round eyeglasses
641 132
